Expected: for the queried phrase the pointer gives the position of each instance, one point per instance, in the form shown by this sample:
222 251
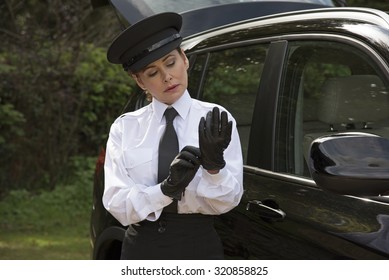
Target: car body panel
316 225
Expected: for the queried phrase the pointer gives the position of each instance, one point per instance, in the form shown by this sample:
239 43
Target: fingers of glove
202 129
227 135
181 164
223 121
215 121
171 190
208 125
179 179
189 158
193 150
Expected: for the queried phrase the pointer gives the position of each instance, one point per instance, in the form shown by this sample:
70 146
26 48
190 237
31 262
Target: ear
186 60
138 80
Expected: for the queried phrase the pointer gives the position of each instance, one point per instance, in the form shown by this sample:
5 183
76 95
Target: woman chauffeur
169 207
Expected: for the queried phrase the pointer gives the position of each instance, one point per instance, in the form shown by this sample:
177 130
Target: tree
377 4
58 93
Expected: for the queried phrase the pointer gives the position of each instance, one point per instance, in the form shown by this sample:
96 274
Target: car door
280 94
327 86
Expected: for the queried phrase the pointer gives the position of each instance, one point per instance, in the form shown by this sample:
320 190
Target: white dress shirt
132 193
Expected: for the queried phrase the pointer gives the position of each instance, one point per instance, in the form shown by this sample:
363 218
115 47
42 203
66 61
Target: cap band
150 49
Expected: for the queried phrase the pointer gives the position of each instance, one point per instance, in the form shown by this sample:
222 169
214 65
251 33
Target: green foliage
58 93
63 104
376 4
103 89
11 121
66 206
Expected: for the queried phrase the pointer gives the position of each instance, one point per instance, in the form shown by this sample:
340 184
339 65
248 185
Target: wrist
214 179
213 165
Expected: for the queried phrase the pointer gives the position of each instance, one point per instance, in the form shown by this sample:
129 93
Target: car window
196 64
232 80
329 87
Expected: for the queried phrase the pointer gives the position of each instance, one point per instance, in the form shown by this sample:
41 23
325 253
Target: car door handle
265 211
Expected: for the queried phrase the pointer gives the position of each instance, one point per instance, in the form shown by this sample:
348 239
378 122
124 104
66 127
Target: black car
309 87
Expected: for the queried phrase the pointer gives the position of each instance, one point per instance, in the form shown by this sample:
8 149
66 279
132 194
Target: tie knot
170 114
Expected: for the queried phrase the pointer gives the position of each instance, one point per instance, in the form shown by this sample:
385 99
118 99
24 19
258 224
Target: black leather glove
182 170
214 138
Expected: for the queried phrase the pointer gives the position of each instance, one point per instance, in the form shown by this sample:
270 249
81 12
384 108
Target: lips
171 88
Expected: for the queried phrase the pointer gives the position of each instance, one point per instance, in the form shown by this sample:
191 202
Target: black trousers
173 237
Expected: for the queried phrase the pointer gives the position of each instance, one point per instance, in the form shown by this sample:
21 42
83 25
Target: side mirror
351 163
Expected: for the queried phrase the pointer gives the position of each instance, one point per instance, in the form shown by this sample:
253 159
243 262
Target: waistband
183 219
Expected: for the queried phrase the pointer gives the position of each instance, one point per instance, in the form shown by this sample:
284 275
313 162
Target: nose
167 77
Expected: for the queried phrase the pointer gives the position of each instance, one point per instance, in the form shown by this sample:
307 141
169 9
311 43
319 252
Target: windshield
185 5
202 15
135 10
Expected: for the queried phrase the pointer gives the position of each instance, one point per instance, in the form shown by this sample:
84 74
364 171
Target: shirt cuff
215 179
157 198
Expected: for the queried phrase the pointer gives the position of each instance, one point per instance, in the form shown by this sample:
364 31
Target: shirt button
162 227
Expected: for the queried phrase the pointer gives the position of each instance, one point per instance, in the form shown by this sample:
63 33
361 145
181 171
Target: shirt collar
182 106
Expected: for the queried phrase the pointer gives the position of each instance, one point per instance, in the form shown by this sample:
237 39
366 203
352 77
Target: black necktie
168 149
168 145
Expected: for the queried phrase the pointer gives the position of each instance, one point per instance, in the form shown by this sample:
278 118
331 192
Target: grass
49 226
43 246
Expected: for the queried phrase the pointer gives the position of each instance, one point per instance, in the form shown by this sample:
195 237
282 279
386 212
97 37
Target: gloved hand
182 170
214 138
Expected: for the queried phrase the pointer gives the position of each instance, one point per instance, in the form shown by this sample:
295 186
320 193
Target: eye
171 62
151 73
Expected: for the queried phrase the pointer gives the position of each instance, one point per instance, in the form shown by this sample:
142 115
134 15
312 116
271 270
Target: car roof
329 20
202 15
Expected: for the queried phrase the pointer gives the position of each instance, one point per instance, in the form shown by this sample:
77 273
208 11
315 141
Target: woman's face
165 79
